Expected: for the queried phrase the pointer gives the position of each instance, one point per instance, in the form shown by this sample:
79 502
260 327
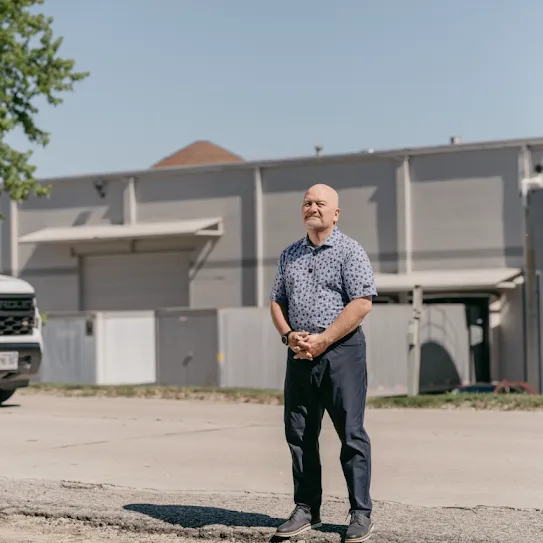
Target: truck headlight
37 317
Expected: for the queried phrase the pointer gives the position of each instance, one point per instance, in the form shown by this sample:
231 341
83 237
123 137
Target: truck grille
17 315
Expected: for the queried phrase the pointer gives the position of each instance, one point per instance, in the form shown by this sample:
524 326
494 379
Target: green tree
31 71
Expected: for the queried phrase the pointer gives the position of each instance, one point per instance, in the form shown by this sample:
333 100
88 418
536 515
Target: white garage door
135 281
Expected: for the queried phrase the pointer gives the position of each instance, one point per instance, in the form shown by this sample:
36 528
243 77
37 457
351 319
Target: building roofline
307 160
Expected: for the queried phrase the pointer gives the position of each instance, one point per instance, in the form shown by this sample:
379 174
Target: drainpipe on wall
259 239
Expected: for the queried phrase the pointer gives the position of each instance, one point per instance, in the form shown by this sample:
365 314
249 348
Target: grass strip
502 402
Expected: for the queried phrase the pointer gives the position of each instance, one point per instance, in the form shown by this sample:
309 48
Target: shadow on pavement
8 405
193 516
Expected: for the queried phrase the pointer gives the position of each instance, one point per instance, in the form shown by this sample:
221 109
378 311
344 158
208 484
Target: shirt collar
329 241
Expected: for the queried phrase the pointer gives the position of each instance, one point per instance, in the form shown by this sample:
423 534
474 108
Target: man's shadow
195 516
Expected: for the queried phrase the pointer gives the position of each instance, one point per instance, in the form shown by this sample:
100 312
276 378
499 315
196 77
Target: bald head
324 193
320 209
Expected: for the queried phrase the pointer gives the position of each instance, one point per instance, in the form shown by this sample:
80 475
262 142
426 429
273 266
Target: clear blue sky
272 79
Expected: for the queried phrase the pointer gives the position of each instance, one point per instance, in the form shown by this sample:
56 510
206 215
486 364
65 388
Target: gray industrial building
448 218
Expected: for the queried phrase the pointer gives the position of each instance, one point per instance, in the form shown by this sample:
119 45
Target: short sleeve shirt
316 283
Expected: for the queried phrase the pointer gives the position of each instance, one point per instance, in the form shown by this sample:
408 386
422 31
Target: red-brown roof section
199 152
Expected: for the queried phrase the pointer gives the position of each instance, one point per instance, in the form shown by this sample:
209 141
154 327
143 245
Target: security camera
100 186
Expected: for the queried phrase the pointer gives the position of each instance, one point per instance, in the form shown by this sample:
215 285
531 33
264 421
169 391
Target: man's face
319 210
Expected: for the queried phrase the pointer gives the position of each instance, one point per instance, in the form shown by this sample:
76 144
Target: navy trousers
335 381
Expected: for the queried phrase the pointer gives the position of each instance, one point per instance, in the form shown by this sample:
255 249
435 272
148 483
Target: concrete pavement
443 458
161 468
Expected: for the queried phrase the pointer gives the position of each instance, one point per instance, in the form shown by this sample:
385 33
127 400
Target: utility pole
531 279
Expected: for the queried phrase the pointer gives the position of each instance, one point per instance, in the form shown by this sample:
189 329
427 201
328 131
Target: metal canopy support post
531 306
413 370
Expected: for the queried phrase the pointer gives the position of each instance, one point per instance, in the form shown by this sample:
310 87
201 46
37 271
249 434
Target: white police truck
21 342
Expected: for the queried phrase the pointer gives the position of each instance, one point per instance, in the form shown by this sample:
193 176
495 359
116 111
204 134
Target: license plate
9 361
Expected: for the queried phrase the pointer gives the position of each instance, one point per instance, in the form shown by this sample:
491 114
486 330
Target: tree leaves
30 70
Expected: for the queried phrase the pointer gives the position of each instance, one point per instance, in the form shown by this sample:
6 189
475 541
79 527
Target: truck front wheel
5 395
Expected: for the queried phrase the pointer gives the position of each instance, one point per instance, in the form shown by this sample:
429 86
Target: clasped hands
307 346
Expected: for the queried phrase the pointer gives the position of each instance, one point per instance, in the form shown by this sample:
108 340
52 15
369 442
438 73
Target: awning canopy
71 234
461 280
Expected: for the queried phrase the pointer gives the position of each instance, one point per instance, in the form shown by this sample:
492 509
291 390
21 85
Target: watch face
284 339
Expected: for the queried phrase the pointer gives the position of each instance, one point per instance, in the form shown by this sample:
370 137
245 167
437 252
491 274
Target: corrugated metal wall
445 351
99 348
368 201
225 275
511 336
466 210
255 357
239 347
187 347
250 353
69 350
465 207
253 354
386 329
445 355
126 348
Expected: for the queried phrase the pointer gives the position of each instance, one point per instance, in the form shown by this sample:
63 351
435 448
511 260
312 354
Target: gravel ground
23 529
41 511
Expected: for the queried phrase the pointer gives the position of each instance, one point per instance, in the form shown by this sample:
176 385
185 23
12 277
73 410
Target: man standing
323 289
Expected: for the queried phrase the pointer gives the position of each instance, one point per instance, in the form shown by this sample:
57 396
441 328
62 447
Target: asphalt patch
253 517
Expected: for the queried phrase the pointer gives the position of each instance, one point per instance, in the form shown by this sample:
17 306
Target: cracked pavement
101 469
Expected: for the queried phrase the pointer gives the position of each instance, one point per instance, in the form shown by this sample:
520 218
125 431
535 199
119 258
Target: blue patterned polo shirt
316 283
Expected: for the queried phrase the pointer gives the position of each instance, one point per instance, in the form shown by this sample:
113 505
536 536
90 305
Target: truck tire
5 395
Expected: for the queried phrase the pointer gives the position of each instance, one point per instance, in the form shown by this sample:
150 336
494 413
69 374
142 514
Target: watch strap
284 337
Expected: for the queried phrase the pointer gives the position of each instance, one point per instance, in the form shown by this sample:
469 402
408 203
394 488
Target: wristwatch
284 337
